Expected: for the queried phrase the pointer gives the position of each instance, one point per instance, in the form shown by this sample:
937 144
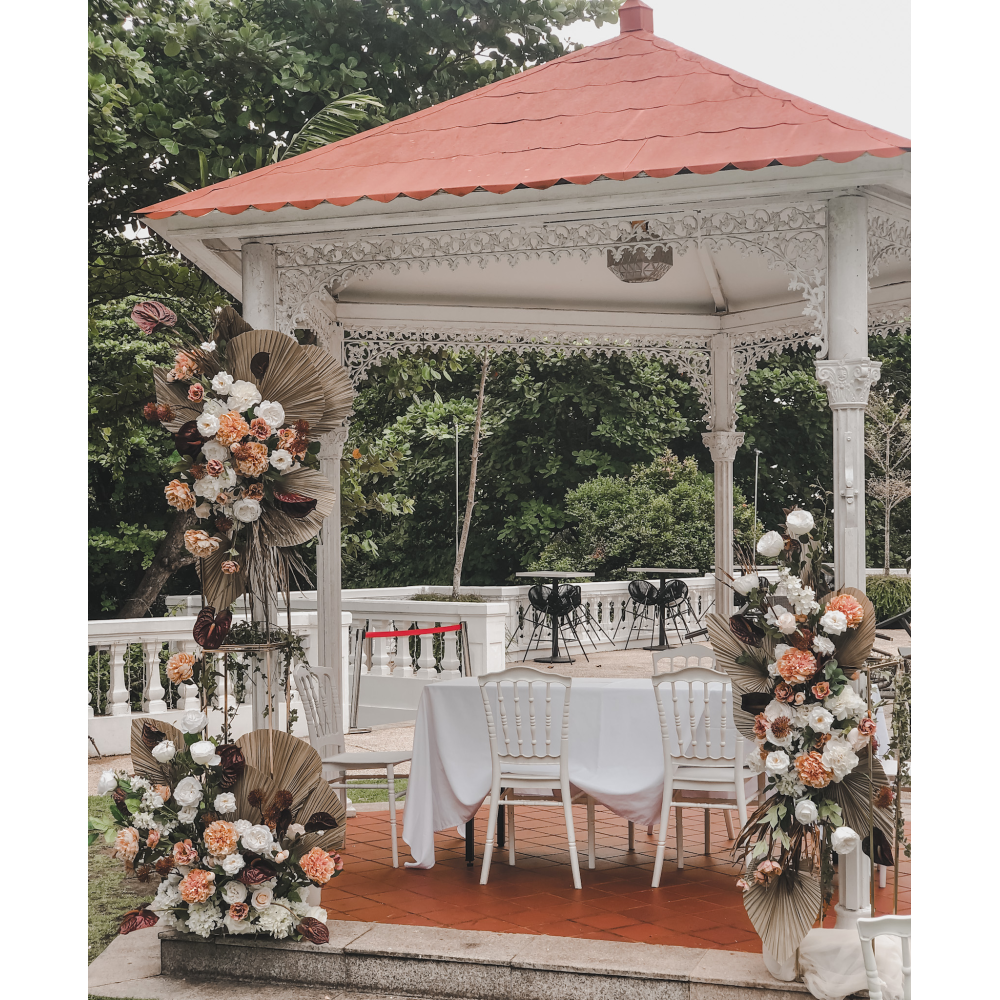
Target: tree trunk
456 581
170 557
888 515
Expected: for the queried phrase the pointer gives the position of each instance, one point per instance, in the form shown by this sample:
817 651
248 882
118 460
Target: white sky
852 56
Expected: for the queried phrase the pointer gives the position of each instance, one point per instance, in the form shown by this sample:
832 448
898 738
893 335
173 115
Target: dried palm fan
746 679
857 643
229 324
338 391
279 529
252 780
322 805
851 795
297 767
143 741
783 912
221 590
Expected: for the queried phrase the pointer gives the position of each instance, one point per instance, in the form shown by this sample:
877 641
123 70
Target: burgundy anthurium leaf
320 821
136 920
295 505
314 930
210 629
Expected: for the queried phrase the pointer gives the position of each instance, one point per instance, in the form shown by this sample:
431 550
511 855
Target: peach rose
179 495
221 838
163 791
319 866
238 911
196 393
184 366
783 692
184 853
153 839
127 844
760 726
811 770
200 543
214 468
229 567
260 428
197 886
848 607
766 871
796 666
821 690
867 726
232 428
180 668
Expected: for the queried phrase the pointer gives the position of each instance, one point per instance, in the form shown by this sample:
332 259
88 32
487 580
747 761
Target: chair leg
680 836
591 835
708 832
491 830
574 861
729 824
511 859
390 774
631 837
661 840
649 830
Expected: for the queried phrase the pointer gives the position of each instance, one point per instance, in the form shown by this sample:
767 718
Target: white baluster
403 666
451 665
152 701
90 708
380 651
118 701
425 660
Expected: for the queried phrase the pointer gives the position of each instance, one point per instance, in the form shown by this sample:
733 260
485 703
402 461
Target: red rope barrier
413 631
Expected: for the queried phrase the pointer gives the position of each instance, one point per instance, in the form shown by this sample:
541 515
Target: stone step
441 962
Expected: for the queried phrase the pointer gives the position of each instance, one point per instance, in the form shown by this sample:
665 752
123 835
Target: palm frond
342 117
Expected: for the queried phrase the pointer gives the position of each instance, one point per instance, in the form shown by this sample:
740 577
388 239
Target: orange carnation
848 607
127 844
221 838
197 886
318 866
179 495
232 428
180 668
796 666
812 771
250 459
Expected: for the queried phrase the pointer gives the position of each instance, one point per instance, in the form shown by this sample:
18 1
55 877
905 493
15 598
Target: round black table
552 610
661 596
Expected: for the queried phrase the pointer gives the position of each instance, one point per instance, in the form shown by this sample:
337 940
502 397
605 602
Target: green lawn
109 894
374 794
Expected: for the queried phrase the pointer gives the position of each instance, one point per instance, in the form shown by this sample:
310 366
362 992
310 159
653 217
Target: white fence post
118 696
451 665
153 701
425 659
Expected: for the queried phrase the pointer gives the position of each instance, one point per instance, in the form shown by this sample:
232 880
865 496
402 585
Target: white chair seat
685 774
540 772
369 758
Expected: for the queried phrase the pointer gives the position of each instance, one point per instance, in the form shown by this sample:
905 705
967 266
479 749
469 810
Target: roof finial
634 15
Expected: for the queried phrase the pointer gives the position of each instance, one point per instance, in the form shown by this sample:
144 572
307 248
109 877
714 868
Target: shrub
889 594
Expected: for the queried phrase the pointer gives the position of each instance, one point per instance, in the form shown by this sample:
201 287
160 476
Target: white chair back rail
317 687
689 726
663 659
870 928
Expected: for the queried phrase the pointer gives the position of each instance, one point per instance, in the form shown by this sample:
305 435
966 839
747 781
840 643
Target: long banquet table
615 754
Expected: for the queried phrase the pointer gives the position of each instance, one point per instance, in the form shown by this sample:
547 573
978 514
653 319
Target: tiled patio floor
697 907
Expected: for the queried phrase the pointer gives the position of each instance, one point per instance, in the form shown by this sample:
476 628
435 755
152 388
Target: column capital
331 447
723 444
848 381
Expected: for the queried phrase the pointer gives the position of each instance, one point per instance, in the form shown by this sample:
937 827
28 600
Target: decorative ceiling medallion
636 263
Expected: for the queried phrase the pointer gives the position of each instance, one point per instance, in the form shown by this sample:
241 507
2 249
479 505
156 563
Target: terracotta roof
633 105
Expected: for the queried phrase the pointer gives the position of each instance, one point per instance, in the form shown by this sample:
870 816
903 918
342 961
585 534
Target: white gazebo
631 196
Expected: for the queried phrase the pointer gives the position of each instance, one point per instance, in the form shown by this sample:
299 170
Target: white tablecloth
615 754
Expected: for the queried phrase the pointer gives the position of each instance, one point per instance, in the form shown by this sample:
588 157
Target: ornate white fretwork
888 239
848 382
890 317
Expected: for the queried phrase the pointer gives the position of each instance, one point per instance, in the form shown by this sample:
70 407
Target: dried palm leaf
145 764
221 590
280 368
745 678
338 391
229 324
297 767
283 531
857 643
851 795
252 781
323 800
174 395
783 912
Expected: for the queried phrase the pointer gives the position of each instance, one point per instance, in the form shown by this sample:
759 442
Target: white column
848 374
118 700
723 446
153 702
259 285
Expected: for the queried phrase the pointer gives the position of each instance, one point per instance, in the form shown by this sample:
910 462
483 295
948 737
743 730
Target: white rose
776 708
787 623
239 926
225 802
203 752
192 722
188 791
856 739
208 346
223 383
281 856
744 584
208 425
273 413
819 719
258 839
241 826
770 545
844 840
799 522
282 460
846 705
772 669
822 645
834 622
839 758
188 814
208 487
232 864
777 763
243 395
213 451
215 406
246 510
806 812
295 831
107 783
234 892
203 510
780 649
262 896
318 913
754 762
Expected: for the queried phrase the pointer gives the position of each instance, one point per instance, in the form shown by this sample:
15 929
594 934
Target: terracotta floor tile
606 921
724 935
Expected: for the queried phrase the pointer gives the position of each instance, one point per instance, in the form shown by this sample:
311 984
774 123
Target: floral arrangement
235 852
794 662
245 409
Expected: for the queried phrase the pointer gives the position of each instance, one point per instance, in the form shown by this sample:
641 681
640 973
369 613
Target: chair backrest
538 596
530 727
663 659
642 592
675 591
318 692
870 928
696 714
